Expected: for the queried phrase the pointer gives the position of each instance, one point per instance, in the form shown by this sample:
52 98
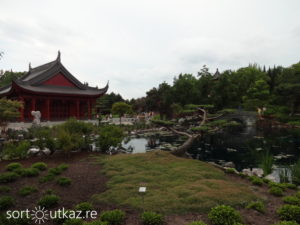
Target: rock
46 151
257 172
33 151
231 150
271 178
229 164
247 172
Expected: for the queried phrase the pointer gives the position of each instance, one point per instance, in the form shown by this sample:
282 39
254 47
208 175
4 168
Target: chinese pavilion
54 91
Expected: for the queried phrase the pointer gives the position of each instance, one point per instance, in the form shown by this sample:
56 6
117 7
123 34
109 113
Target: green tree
9 76
121 108
104 104
9 111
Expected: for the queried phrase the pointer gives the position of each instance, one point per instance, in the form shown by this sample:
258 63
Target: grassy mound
174 185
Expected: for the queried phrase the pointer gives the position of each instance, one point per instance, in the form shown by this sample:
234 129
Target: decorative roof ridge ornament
30 66
58 56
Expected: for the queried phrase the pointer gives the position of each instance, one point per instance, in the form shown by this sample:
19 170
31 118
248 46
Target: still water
243 147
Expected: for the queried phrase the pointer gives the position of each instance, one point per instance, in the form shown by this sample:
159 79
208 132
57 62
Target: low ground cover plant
197 223
40 166
64 181
256 205
276 191
152 218
4 189
27 190
49 200
224 215
289 213
6 202
84 206
113 217
13 166
7 177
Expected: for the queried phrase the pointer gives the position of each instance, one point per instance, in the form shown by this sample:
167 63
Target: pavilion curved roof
33 81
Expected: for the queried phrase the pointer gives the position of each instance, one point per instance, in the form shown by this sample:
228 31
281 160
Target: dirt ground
88 180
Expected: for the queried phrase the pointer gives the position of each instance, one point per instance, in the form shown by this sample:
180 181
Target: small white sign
142 189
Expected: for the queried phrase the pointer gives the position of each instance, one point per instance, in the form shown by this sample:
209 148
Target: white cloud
137 44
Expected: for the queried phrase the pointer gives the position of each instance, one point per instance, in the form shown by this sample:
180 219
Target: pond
244 147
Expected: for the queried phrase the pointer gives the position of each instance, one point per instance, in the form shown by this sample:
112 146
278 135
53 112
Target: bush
292 200
63 167
48 201
289 212
84 206
267 162
224 215
40 166
20 221
197 223
73 222
27 190
64 181
152 218
30 172
297 194
277 191
110 135
230 170
287 223
257 205
295 172
4 189
8 177
113 217
13 166
59 169
98 222
16 151
6 202
256 180
46 178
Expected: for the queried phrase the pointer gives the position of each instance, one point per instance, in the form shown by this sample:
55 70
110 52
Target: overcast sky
137 44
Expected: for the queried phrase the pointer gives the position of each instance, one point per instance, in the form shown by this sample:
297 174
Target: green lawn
174 185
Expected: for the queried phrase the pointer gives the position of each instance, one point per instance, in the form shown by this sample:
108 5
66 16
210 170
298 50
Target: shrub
295 172
297 194
292 200
283 186
20 221
277 191
110 135
98 222
256 180
224 215
4 189
30 172
64 181
113 217
242 175
61 217
63 167
230 170
152 218
256 205
197 223
40 166
84 206
16 151
267 162
27 190
8 177
46 178
13 166
59 169
287 223
6 202
48 201
73 222
289 212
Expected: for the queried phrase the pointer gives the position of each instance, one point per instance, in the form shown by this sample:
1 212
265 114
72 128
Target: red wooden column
47 117
77 109
33 101
22 109
89 109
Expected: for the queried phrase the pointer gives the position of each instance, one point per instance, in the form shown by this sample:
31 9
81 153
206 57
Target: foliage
29 172
9 76
277 191
295 172
256 180
109 135
46 178
8 177
44 135
230 170
292 200
9 111
84 206
13 166
287 223
48 201
166 123
289 213
27 190
267 162
73 222
113 217
20 221
64 181
97 222
6 202
4 189
105 102
121 108
15 151
224 215
152 218
40 166
256 205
